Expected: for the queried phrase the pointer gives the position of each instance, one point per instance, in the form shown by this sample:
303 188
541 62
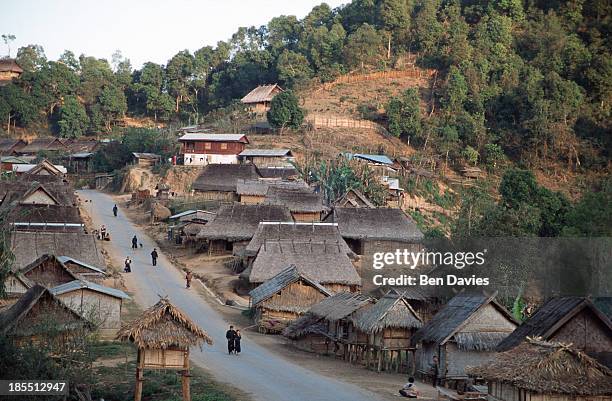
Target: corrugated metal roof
82 284
382 159
266 152
213 137
65 259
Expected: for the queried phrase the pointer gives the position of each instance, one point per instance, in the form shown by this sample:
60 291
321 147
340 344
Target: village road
258 371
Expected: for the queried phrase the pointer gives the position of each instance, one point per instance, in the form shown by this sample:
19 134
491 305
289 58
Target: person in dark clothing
134 242
435 370
128 265
115 210
230 335
154 256
237 342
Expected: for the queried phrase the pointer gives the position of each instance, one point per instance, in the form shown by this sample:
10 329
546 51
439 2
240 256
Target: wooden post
186 376
139 374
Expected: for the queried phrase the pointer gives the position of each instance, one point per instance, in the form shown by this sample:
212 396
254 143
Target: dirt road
258 371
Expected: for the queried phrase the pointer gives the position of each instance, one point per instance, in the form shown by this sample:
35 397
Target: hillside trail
258 371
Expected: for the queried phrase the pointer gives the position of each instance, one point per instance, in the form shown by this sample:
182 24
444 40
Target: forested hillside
517 82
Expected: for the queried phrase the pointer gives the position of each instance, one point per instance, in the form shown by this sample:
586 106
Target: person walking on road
230 335
188 278
128 265
237 339
115 210
154 256
134 242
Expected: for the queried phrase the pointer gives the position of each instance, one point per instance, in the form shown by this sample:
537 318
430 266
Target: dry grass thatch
391 311
549 368
161 326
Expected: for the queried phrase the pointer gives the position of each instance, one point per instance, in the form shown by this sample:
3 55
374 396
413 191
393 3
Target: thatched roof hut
385 224
236 222
10 146
574 320
34 192
326 263
303 204
464 333
28 246
297 232
37 313
31 217
340 306
393 311
282 173
48 144
549 369
261 94
353 198
163 326
224 177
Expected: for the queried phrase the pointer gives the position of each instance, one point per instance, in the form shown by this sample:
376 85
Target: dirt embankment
179 178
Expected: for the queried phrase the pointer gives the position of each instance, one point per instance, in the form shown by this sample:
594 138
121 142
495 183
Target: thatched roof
282 173
325 263
223 177
297 232
82 145
163 325
548 368
307 324
28 246
354 198
20 190
340 305
45 214
391 311
549 318
43 259
238 222
260 187
9 145
11 319
300 200
385 224
40 144
263 93
282 280
10 65
455 315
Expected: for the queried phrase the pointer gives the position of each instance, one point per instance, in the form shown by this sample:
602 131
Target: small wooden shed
163 335
146 159
252 192
537 370
283 298
574 320
463 333
98 304
49 271
39 317
389 325
267 157
259 99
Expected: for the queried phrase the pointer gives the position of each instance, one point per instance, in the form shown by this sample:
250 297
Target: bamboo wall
508 392
50 274
224 196
101 309
306 217
164 358
586 332
252 199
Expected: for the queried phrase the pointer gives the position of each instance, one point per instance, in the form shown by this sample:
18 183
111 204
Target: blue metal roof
82 284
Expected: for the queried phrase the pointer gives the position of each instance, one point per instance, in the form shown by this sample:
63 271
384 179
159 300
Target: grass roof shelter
354 198
279 172
219 181
327 327
369 230
328 264
463 333
283 298
574 320
538 370
234 226
389 325
303 204
254 191
40 317
267 157
258 100
163 335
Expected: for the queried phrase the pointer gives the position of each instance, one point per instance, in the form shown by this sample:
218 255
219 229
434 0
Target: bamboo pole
139 374
186 376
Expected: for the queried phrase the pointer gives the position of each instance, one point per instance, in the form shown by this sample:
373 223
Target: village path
257 371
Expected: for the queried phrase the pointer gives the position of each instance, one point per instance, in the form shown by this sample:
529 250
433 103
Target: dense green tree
362 47
293 68
392 16
285 111
404 115
69 59
72 119
31 57
179 72
113 104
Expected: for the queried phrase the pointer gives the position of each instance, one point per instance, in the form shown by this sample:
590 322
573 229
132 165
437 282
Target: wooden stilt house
537 370
163 335
327 327
389 325
303 203
464 333
283 298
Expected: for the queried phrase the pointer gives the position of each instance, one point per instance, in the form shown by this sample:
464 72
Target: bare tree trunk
389 47
8 127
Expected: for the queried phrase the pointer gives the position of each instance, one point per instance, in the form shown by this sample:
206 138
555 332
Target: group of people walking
233 341
128 261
